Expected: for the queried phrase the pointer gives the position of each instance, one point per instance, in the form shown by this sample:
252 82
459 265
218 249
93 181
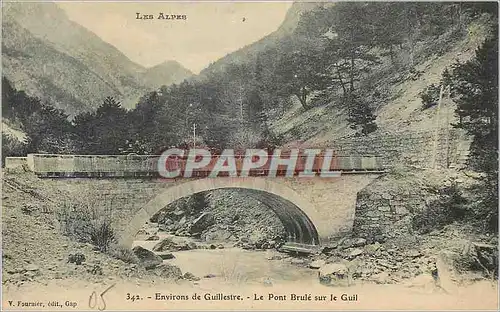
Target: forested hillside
340 58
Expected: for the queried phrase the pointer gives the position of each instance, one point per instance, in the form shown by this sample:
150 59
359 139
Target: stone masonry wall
385 208
410 147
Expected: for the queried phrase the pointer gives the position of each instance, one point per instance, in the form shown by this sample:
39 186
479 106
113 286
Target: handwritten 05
98 301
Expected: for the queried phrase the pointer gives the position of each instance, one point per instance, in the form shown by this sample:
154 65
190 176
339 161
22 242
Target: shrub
122 253
86 223
430 96
449 207
12 147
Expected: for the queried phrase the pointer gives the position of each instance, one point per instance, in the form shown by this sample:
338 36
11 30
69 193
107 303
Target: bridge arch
297 215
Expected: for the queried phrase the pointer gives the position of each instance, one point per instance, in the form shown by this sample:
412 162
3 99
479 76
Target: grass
87 223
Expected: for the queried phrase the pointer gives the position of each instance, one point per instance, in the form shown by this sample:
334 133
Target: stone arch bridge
313 210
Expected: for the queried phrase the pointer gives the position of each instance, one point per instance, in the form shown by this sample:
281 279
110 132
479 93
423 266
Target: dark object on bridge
148 259
202 223
76 258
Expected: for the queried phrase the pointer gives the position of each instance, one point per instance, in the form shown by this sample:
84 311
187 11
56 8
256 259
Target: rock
190 277
31 267
209 276
445 272
168 244
31 274
414 254
381 278
317 264
16 277
77 258
148 259
384 263
372 248
201 223
167 270
165 255
13 271
152 231
355 252
153 238
329 248
165 227
267 282
359 242
384 208
247 246
386 196
379 238
95 269
182 221
346 243
178 213
333 274
275 257
218 235
297 261
486 255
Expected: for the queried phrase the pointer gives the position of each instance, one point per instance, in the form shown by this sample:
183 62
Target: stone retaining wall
411 148
385 208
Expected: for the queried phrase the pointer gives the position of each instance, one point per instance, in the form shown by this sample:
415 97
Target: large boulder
167 270
148 259
170 244
166 255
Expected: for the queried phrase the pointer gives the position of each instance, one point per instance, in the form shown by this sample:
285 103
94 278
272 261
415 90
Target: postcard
249 155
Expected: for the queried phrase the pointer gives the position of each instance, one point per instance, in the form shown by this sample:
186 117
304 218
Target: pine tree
475 90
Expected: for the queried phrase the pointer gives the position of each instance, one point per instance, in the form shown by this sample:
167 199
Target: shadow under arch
297 215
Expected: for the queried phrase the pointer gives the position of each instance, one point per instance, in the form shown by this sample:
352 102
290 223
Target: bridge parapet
137 166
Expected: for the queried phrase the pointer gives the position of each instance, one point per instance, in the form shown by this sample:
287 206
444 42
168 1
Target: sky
211 30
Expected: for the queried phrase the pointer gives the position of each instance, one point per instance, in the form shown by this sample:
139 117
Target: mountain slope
248 53
166 73
62 62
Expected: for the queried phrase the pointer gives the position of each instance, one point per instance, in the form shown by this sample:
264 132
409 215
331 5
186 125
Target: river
234 265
